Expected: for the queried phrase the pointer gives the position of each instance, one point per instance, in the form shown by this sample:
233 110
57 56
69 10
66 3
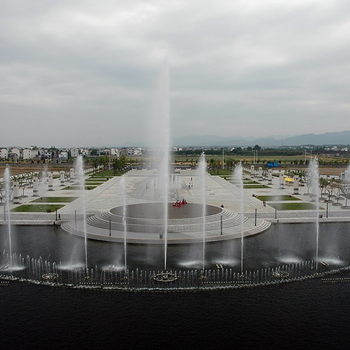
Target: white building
86 152
16 153
4 153
115 152
63 155
29 153
74 152
134 151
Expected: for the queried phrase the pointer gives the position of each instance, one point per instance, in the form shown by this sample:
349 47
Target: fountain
138 226
42 181
314 180
7 183
202 174
122 184
158 232
345 187
79 169
160 143
238 177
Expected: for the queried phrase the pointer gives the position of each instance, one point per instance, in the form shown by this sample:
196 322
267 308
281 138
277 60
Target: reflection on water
281 244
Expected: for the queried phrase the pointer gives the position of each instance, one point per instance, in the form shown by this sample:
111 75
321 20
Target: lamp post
223 158
110 227
255 216
221 225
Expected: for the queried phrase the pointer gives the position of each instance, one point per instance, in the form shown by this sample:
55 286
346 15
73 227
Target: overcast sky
83 73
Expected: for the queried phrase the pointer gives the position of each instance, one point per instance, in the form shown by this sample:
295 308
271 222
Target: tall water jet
160 143
202 173
238 177
7 183
123 190
314 185
345 187
43 181
79 169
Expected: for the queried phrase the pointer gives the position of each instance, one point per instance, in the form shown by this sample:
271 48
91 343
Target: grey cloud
93 66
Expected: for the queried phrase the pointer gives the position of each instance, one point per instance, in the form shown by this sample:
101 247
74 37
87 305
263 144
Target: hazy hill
329 138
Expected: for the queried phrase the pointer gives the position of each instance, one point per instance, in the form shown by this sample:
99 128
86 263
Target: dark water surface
300 315
304 315
282 243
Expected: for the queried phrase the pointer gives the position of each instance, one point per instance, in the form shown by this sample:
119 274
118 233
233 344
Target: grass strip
54 200
292 206
278 198
36 208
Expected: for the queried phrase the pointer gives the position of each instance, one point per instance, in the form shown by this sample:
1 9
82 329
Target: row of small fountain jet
38 271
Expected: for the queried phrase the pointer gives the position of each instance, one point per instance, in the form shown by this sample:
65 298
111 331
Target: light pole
255 216
223 158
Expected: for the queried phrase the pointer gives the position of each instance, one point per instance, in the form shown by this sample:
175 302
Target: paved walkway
187 184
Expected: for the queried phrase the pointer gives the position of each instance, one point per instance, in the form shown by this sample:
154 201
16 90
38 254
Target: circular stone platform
143 223
155 211
149 218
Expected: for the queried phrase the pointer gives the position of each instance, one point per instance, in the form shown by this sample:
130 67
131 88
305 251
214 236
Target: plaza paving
188 185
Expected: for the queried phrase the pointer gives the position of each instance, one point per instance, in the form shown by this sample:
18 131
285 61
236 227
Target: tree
119 165
230 163
95 163
323 183
104 161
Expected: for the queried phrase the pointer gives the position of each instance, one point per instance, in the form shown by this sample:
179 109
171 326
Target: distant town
58 155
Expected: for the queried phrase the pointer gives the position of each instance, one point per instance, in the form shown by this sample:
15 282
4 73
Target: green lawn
246 182
99 178
37 208
292 206
77 188
221 172
97 183
54 200
256 186
104 173
278 198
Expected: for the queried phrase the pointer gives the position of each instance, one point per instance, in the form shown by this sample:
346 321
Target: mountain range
326 139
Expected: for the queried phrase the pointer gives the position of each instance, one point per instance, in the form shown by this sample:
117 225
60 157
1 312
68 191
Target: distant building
28 153
134 151
4 153
74 152
63 155
44 154
115 152
15 153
